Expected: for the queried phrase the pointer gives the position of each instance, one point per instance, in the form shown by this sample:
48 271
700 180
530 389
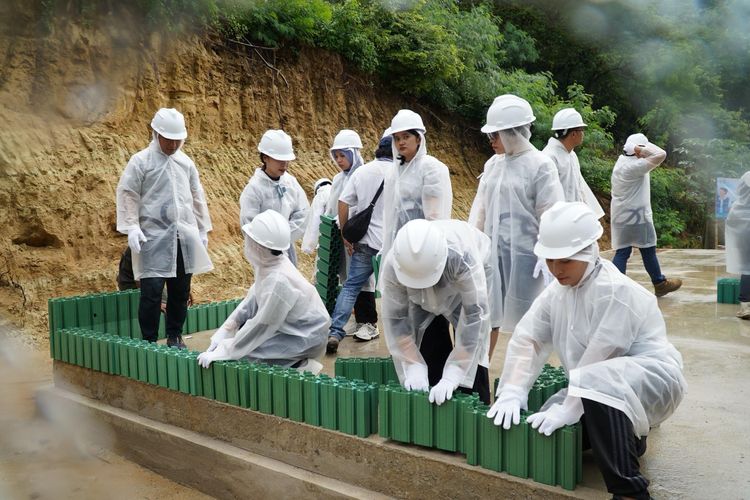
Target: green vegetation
676 71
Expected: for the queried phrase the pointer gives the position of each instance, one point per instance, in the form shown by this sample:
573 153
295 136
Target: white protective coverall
630 213
526 186
574 185
282 319
419 189
163 196
284 196
737 230
487 182
312 228
611 339
460 295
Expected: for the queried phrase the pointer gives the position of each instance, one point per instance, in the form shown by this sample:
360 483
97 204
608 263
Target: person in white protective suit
272 187
737 240
527 184
632 222
569 130
438 269
162 208
358 194
282 320
321 193
625 376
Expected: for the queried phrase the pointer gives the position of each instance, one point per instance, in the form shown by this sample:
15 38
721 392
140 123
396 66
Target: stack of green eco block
370 370
460 424
728 291
330 249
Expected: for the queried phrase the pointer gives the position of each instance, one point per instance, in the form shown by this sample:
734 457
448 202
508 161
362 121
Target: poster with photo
726 193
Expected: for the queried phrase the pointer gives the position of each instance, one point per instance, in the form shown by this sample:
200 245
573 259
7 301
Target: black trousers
435 349
364 308
149 309
745 288
616 448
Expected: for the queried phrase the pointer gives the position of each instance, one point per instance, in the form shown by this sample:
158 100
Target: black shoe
176 342
332 346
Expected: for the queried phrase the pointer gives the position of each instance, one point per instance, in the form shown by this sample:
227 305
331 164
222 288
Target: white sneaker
367 332
351 326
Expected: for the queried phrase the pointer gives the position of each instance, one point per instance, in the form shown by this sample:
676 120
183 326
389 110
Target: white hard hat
633 141
269 229
567 118
277 144
346 139
170 124
566 229
320 182
508 111
386 133
420 251
407 119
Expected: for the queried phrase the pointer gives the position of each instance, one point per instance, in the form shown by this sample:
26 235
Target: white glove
135 238
557 415
507 408
541 267
204 239
218 354
443 391
216 339
415 378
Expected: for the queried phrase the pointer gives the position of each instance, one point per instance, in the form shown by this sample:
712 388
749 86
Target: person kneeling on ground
625 376
282 321
438 269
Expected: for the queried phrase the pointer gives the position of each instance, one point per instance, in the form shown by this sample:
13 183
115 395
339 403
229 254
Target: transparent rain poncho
460 295
574 185
737 230
632 220
487 182
419 189
163 196
281 320
284 196
526 186
312 226
611 340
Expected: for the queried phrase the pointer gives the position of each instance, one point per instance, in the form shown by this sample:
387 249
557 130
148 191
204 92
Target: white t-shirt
358 194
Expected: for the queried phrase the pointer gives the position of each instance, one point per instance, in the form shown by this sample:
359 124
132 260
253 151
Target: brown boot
667 286
744 312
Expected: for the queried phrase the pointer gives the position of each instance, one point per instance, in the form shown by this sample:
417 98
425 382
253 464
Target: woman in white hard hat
526 185
625 376
273 188
737 238
418 187
282 321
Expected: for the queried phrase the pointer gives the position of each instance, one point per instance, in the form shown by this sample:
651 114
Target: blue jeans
360 270
650 262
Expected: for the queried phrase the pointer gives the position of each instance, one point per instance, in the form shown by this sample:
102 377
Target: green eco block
389 372
373 372
567 457
121 348
727 290
446 425
543 454
87 350
490 442
95 359
535 400
311 394
123 314
70 313
222 312
80 349
105 345
265 388
183 375
471 419
134 303
243 384
328 230
194 375
98 319
400 418
83 312
363 410
253 387
55 345
421 419
110 313
141 359
152 376
372 390
192 320
328 404
327 280
345 406
202 318
330 258
220 381
356 369
64 337
295 394
233 382
279 394
516 448
212 314
55 314
162 332
162 373
341 367
207 377
384 411
133 360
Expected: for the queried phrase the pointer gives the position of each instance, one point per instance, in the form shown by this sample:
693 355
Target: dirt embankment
75 104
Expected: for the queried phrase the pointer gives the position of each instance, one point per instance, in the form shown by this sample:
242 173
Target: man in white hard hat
568 133
272 187
625 376
630 212
162 208
282 320
438 268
